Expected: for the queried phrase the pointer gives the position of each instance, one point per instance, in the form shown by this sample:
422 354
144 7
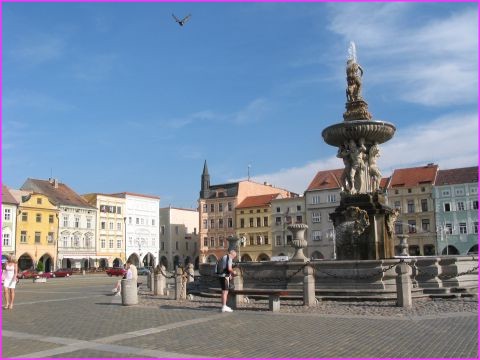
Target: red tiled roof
409 177
326 179
457 176
7 197
384 182
256 201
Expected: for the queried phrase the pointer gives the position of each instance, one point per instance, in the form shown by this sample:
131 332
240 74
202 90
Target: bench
233 299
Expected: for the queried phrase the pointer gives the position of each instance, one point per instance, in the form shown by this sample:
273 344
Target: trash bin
129 292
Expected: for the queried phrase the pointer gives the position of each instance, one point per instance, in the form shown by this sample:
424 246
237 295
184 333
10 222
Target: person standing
11 271
226 276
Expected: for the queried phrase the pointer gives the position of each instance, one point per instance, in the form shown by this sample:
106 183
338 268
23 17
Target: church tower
205 189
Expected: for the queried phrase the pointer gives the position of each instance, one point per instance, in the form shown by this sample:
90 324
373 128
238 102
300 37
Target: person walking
10 280
225 274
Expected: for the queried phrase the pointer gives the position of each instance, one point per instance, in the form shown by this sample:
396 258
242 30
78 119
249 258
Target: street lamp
243 241
331 235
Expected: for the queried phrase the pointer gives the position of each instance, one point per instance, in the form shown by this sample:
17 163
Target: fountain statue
363 202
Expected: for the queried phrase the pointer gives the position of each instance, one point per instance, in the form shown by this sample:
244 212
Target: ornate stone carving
358 219
373 170
390 221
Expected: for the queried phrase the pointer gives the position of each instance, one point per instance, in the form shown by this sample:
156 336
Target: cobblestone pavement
79 317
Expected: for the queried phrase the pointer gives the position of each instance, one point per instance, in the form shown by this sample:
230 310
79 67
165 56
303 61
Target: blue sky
113 97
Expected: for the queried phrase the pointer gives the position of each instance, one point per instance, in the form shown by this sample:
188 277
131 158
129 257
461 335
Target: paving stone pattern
80 318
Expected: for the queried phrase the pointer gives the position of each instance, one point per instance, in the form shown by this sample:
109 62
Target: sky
113 97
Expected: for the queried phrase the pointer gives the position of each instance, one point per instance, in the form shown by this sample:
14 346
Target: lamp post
243 241
331 235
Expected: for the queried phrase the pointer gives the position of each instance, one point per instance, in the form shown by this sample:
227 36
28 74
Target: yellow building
253 226
37 230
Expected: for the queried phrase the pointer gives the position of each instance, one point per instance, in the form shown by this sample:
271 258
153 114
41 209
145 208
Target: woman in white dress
11 270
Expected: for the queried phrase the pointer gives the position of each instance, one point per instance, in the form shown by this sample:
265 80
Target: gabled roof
464 175
326 179
7 197
257 201
230 190
415 176
57 192
384 182
124 195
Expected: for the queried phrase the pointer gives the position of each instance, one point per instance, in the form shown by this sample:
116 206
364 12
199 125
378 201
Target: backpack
219 269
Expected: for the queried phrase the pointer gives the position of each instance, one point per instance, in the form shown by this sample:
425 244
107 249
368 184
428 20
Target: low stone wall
358 277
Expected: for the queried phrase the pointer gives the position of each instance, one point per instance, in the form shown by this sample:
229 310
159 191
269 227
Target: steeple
205 186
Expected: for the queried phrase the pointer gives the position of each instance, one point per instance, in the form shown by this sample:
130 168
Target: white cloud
449 141
424 61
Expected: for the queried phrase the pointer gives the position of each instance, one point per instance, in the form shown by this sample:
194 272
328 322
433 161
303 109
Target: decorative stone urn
233 242
403 245
299 242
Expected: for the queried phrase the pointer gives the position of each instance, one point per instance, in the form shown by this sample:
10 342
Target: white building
9 218
179 237
142 228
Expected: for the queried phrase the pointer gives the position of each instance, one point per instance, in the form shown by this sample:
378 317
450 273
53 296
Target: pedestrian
118 287
226 276
10 280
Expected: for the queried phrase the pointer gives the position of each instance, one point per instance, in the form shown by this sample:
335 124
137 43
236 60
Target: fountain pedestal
364 227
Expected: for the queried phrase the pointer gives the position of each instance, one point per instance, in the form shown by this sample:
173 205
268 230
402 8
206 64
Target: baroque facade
9 222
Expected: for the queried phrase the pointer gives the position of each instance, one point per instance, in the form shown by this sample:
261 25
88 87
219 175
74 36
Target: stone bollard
404 285
309 298
160 282
129 292
234 300
191 273
180 284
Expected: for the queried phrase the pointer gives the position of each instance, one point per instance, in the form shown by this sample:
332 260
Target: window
176 245
119 243
212 242
299 207
316 235
212 207
137 221
205 242
142 221
448 229
38 235
23 236
212 223
38 218
205 223
153 222
205 207
6 239
265 240
265 221
220 207
428 250
278 220
119 226
88 241
423 189
278 240
39 201
242 223
119 210
76 241
463 227
110 243
410 206
220 223
259 240
475 204
299 219
288 219
77 222
446 207
162 246
412 226
176 229
316 199
425 225
473 190
446 192
459 192
316 217
65 240
102 243
278 210
111 225
65 221
331 198
396 192
230 206
50 237
475 227
424 204
409 191
7 213
250 222
251 240
398 228
259 222
398 206
130 220
289 240
460 206
220 241
230 222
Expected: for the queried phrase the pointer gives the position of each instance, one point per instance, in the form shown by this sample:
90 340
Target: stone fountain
364 224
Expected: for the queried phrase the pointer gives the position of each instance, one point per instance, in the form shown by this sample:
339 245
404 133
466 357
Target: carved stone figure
357 166
390 221
344 154
354 81
359 218
374 172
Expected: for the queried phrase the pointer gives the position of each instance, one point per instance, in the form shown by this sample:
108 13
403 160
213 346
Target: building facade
410 191
142 228
110 229
9 222
37 230
253 219
321 198
77 223
178 237
456 211
285 211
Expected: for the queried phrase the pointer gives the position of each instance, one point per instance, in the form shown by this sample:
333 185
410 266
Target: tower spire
205 183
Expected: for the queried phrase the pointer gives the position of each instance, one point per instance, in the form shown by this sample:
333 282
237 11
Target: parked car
28 274
143 271
116 271
63 273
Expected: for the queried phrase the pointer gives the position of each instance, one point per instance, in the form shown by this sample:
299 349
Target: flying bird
183 21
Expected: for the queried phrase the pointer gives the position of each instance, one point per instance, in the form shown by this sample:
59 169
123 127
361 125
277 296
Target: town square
256 180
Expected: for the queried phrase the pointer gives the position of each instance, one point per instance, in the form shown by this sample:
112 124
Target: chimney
53 182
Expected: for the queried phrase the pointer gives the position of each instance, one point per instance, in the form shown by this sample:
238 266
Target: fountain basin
371 130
